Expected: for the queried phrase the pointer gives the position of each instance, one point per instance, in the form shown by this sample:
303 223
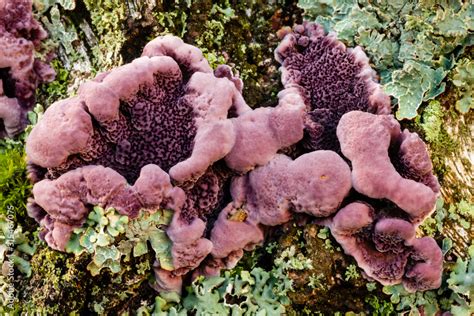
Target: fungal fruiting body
165 131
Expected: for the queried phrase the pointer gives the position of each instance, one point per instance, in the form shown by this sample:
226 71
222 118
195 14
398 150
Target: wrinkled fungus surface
315 183
333 79
20 71
185 138
159 118
175 115
386 248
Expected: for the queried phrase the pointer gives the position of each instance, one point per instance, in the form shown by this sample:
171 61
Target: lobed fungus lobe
386 248
388 164
63 204
182 133
168 117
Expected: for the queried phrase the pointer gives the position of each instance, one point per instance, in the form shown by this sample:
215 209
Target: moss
14 184
61 284
448 135
430 125
54 287
57 89
250 48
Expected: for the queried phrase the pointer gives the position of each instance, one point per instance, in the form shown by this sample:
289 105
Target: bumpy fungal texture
157 110
168 117
159 117
187 56
386 248
333 79
166 281
315 183
388 164
20 71
167 109
189 248
67 200
426 266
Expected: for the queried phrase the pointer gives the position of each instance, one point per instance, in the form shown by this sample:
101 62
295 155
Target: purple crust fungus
175 113
386 248
315 183
182 133
333 79
260 133
68 198
389 164
20 71
172 114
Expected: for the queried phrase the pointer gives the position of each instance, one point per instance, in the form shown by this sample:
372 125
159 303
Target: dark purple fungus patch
425 266
141 113
333 79
156 110
388 164
20 71
166 109
386 248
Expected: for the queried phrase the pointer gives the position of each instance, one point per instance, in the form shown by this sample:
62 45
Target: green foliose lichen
462 78
112 238
460 213
43 5
72 63
413 44
15 246
109 246
238 292
461 279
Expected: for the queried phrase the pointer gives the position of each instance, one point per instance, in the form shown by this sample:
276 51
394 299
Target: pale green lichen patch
107 240
240 292
462 78
15 247
99 237
43 5
412 44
